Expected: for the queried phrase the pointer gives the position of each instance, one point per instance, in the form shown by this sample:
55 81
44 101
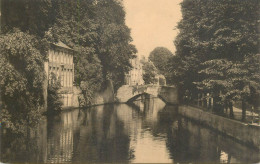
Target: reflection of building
135 76
60 63
60 146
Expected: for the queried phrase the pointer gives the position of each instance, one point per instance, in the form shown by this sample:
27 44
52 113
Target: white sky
152 23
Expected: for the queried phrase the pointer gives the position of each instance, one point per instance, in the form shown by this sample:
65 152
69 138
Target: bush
54 98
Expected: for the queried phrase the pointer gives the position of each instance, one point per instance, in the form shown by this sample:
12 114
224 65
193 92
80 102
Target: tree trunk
231 113
229 158
243 111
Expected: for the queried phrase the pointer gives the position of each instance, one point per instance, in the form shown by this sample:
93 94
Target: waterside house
60 63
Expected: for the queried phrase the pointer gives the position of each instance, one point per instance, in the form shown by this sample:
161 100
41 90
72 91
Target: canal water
144 131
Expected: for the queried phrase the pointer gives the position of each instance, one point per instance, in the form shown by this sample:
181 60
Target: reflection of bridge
128 93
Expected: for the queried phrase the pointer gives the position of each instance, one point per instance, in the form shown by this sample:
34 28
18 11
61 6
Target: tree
252 64
98 33
21 80
23 52
215 81
30 16
149 73
113 47
183 72
160 57
245 82
75 26
54 98
213 54
232 40
95 29
236 81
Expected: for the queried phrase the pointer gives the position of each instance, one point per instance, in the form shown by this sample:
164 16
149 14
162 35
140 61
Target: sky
152 23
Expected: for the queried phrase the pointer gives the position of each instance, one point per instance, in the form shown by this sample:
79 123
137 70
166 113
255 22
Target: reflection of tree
103 138
24 148
191 142
111 133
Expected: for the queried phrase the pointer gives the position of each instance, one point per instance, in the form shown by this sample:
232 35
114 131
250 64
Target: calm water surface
146 131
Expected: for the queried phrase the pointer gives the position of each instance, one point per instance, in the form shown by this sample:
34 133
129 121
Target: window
62 57
58 72
62 77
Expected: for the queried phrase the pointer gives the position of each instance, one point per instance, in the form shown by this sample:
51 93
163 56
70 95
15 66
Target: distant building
160 79
60 63
135 76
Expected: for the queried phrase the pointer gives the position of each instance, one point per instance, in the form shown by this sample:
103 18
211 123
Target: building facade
160 80
135 75
60 63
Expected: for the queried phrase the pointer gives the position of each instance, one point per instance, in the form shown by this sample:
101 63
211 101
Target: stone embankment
106 96
244 133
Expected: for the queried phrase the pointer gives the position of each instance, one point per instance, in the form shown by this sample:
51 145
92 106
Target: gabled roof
60 44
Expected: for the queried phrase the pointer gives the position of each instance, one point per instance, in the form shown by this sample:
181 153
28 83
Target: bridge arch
135 97
167 94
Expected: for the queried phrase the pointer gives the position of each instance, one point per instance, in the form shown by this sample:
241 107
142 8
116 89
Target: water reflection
32 148
61 131
145 131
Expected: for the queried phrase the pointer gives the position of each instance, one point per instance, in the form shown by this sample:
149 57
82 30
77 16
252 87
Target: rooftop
60 44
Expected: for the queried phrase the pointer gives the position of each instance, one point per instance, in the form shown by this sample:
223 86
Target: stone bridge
128 93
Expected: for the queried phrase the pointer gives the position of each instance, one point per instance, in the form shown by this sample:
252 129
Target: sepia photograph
130 81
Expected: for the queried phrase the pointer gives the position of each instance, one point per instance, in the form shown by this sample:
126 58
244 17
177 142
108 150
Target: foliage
217 40
234 36
98 33
149 73
30 16
160 57
23 51
113 47
236 81
74 25
54 98
21 79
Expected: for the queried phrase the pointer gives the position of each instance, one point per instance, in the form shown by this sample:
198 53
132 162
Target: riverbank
244 133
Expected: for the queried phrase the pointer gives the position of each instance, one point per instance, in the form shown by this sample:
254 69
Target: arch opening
144 93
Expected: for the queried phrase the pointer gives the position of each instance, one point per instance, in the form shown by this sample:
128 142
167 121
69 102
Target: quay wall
106 96
72 100
244 133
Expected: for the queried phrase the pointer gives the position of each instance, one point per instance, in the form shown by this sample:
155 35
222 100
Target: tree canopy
215 43
160 57
21 79
114 47
149 72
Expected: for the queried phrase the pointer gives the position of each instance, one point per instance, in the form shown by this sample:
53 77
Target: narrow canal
146 131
